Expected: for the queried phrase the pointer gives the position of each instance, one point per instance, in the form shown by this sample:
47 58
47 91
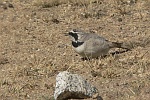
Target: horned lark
91 45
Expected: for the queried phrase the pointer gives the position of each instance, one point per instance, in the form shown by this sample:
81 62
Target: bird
91 45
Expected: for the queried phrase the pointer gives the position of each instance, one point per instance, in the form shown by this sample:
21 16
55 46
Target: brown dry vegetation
33 48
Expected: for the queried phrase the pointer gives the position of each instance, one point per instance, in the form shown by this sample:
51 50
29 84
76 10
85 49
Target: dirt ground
33 48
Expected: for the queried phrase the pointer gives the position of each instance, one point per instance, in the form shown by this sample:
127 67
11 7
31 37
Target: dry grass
51 3
33 48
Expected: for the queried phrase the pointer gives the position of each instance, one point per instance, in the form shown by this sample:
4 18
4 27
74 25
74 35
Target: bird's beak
66 34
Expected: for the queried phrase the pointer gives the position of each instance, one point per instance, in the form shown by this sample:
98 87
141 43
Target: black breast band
77 44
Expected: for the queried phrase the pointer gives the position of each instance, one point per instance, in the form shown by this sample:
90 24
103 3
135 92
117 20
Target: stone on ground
72 86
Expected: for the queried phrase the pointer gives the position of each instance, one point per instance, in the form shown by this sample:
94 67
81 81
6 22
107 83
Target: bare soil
33 48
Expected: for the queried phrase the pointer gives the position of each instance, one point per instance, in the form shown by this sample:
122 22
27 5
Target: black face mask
74 35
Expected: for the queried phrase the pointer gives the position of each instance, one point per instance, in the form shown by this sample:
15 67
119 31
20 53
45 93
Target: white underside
80 49
91 52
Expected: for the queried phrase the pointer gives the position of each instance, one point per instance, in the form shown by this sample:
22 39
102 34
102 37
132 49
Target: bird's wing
96 42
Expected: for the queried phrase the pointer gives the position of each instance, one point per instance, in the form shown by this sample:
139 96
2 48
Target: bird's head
76 34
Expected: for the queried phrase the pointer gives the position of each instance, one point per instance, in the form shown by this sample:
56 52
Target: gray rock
72 86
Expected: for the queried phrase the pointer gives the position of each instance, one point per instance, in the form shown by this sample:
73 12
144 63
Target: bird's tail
118 45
